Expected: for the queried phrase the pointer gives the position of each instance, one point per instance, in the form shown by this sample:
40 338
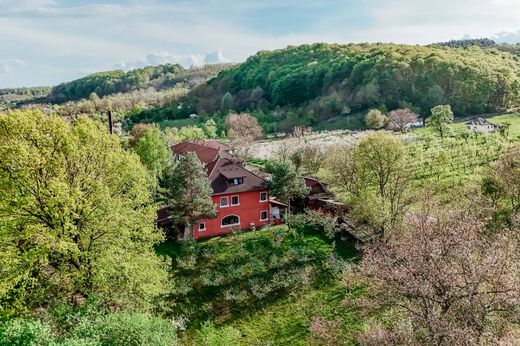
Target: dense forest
313 83
309 85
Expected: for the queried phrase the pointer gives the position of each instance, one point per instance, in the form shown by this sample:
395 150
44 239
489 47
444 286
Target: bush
127 329
25 332
313 221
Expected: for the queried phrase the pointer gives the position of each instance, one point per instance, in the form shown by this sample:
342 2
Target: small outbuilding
481 125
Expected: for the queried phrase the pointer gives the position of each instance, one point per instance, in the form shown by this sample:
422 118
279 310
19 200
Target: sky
45 42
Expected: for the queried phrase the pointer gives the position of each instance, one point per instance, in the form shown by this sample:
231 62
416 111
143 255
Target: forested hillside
313 83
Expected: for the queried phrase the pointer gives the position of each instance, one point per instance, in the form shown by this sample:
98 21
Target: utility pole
110 123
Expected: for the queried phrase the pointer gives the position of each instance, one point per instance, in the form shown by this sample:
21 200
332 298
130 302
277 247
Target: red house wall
248 211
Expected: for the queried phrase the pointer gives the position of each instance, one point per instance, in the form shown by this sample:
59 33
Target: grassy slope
283 319
460 157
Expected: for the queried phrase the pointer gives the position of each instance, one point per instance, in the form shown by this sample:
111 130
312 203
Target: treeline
482 43
313 83
9 96
112 82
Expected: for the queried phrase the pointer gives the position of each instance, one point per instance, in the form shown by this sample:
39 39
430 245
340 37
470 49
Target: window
263 215
230 220
236 181
224 202
263 196
202 226
235 200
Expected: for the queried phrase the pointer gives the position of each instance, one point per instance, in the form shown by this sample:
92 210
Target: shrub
127 329
25 332
314 221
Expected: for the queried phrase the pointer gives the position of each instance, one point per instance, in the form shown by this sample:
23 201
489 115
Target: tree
189 193
137 131
210 128
76 216
243 129
400 119
447 280
174 135
375 119
442 115
374 176
308 158
286 182
226 103
153 151
501 186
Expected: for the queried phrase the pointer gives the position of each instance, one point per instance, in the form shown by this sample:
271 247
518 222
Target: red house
241 197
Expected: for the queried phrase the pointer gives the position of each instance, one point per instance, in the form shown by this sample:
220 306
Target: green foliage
210 128
130 329
153 151
20 332
188 191
442 115
313 221
375 119
286 182
76 216
328 79
104 329
231 276
175 135
105 83
209 335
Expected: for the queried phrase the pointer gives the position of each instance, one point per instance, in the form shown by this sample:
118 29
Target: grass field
461 155
267 287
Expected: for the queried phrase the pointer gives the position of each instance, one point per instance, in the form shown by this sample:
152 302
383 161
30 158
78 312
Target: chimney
110 123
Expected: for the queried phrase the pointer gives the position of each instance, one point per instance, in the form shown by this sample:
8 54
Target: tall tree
189 193
153 151
243 129
210 128
442 115
376 180
76 216
286 182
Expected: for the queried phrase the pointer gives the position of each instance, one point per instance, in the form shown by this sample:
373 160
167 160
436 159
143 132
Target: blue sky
44 42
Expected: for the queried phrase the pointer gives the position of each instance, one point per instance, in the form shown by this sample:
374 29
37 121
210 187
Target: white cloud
163 57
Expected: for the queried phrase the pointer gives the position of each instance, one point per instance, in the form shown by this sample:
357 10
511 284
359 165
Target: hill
482 43
310 84
112 82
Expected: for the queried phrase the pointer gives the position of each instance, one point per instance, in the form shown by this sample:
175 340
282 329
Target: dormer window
236 181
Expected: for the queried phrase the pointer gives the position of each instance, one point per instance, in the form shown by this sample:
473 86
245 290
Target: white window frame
202 229
231 200
266 196
227 202
267 215
233 225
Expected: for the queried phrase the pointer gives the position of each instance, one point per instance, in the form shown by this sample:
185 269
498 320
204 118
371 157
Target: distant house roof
224 169
213 144
221 166
479 122
206 151
313 182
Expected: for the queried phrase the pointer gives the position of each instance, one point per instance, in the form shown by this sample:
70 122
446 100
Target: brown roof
204 153
206 150
213 144
225 168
